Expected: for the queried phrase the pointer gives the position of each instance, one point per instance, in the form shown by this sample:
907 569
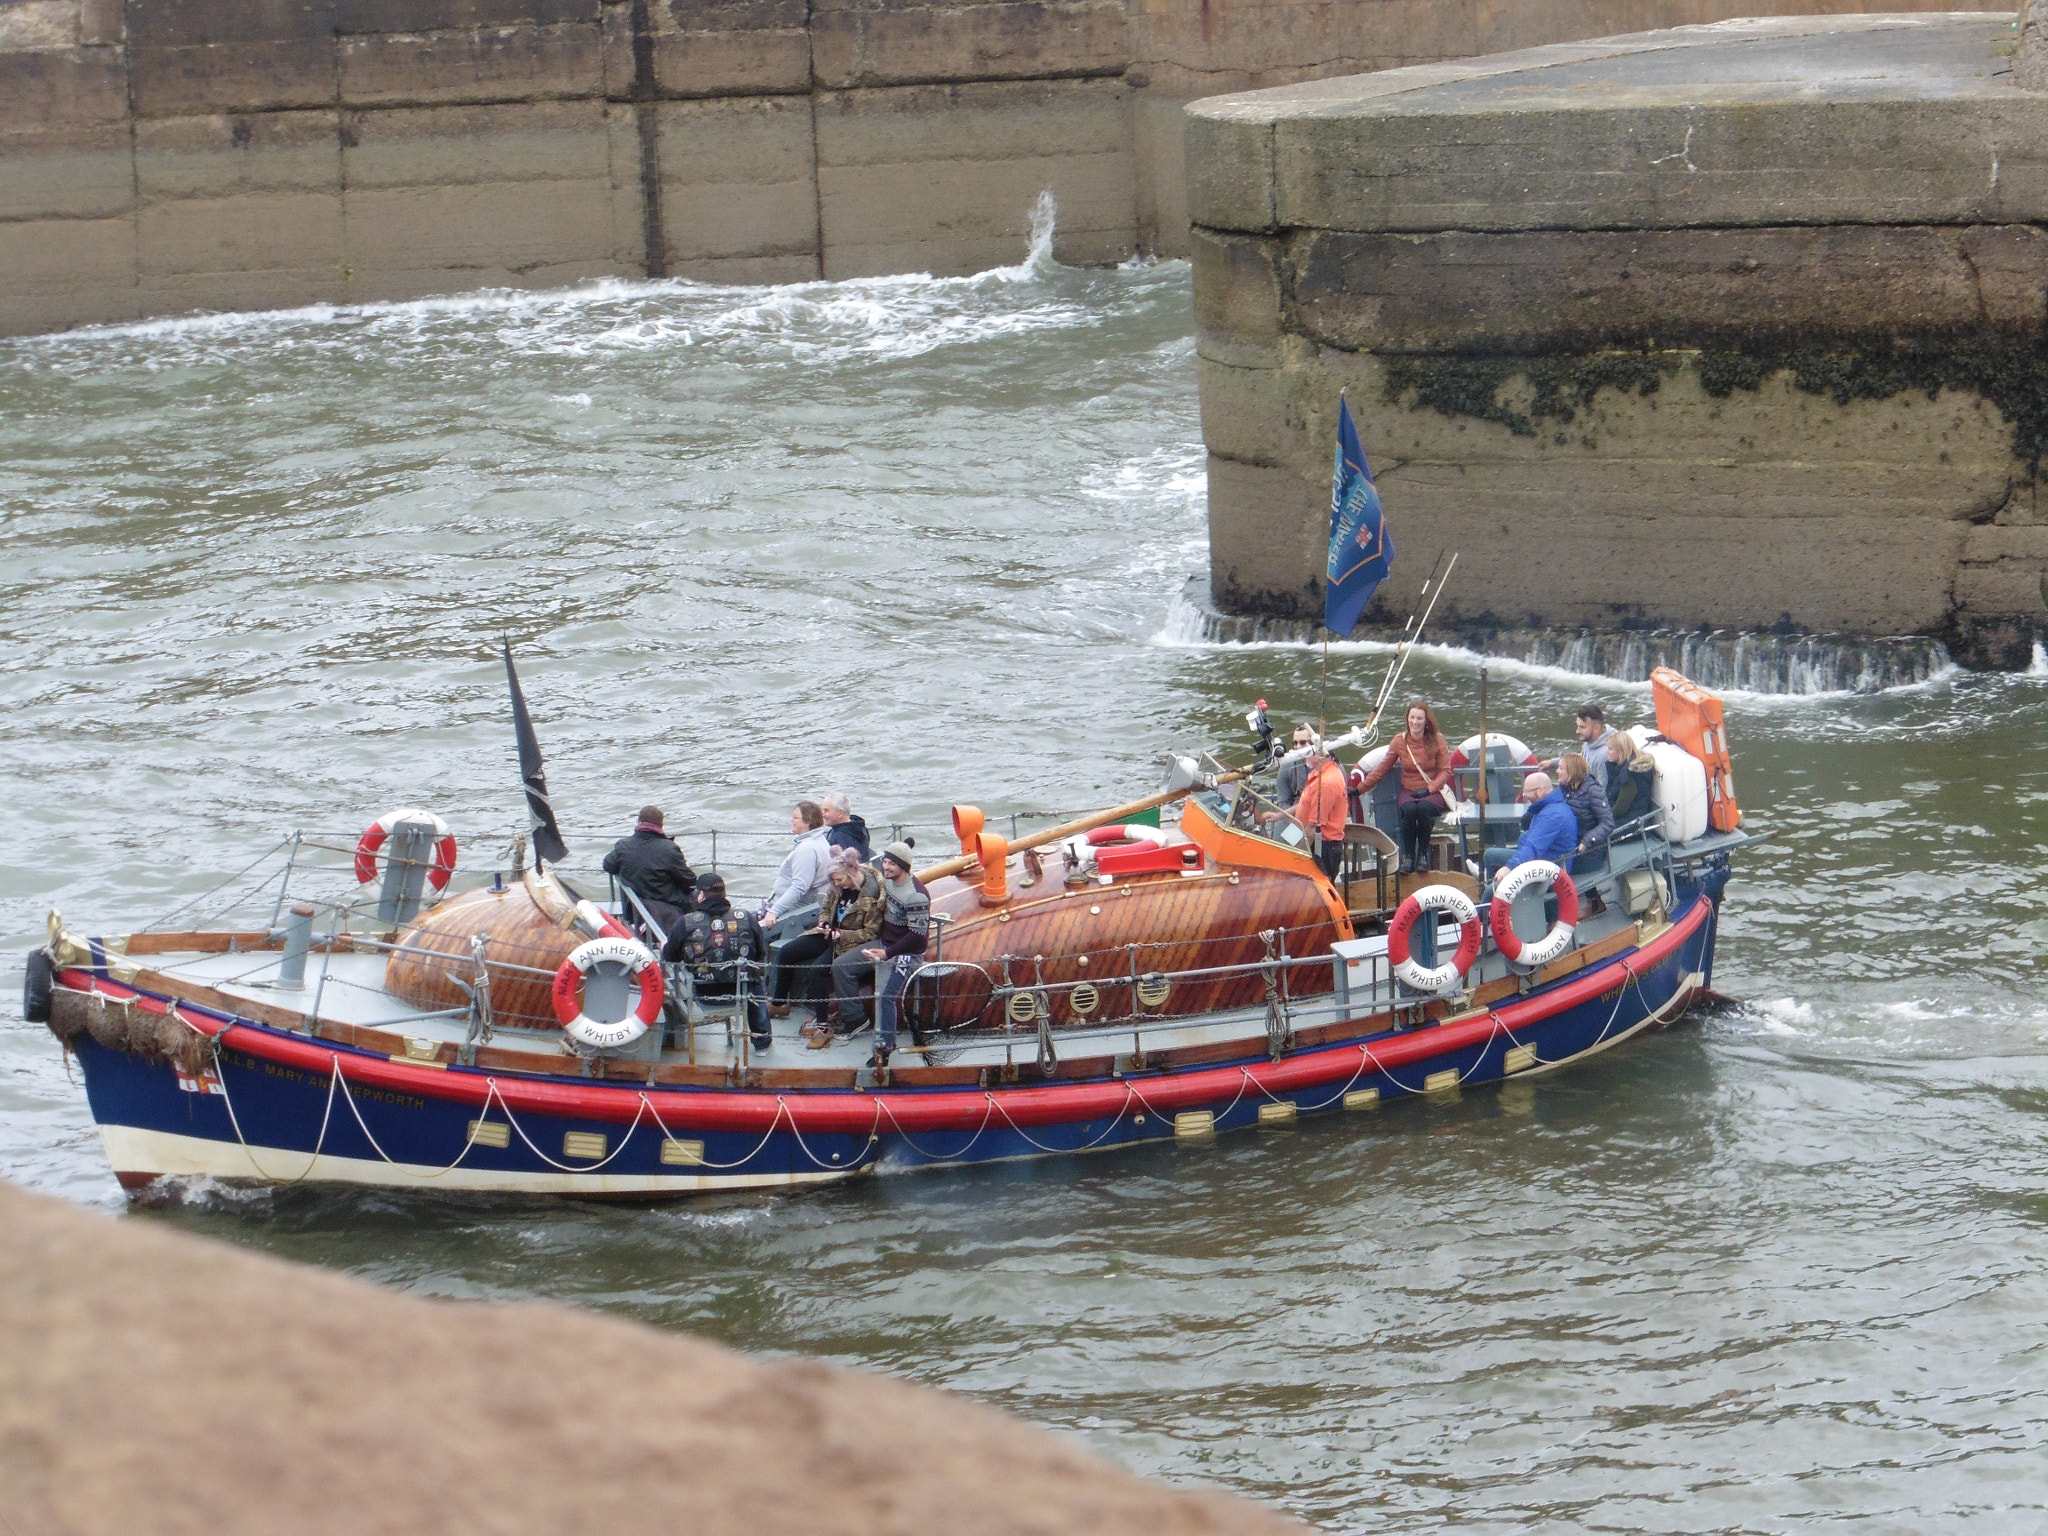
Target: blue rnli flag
1361 548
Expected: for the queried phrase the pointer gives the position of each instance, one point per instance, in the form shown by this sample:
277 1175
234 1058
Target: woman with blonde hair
1631 778
1424 758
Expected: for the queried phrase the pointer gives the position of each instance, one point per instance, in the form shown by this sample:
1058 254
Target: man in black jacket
653 865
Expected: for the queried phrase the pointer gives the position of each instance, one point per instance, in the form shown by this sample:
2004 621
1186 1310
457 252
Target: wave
1736 664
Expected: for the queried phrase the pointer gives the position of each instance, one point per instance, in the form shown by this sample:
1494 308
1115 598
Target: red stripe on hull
840 1110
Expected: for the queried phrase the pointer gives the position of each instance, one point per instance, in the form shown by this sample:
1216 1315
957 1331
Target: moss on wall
2007 366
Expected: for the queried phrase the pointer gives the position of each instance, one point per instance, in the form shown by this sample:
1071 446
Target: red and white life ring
1512 884
380 830
1518 751
599 1034
1433 899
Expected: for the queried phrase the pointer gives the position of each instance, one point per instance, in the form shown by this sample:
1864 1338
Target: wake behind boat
1092 986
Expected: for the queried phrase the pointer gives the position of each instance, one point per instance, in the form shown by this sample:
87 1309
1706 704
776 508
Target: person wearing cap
906 925
723 951
652 864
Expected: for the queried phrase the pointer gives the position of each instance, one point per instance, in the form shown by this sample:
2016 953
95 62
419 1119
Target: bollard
298 938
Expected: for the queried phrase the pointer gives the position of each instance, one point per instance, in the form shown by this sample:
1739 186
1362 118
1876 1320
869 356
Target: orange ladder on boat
1690 716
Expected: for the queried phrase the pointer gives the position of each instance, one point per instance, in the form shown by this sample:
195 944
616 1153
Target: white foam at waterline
1185 622
2038 667
590 293
1783 1016
578 399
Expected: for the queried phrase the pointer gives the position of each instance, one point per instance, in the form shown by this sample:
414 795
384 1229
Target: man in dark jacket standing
653 865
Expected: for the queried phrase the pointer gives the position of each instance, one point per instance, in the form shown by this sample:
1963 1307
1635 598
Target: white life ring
1513 884
1518 752
595 1033
375 835
1432 899
1083 845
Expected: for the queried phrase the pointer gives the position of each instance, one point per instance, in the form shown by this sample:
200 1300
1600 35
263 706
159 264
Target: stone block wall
165 155
1745 327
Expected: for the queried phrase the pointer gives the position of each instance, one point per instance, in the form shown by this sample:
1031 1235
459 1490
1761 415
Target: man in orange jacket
1324 804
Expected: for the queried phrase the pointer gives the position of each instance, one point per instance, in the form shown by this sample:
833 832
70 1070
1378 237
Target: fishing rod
1411 634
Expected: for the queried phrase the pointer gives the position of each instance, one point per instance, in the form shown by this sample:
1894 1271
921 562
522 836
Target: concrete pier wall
1735 326
158 156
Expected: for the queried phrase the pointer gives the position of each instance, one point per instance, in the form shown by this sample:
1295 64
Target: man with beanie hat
906 924
653 865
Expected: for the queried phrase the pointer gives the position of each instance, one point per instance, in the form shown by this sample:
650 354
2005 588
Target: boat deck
348 989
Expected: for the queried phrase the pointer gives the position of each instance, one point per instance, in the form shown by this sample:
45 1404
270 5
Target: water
1714 658
1775 1267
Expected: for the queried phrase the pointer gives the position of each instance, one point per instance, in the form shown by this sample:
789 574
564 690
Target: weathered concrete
154 1381
1739 325
534 141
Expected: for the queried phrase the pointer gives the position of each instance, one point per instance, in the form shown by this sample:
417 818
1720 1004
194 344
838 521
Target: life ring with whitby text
1553 880
602 1034
1438 979
379 831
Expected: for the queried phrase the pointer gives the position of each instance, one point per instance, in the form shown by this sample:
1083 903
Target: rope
882 1106
1114 1121
270 852
760 1146
493 1096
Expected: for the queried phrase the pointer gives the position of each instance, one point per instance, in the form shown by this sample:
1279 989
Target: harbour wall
1732 327
155 1381
160 156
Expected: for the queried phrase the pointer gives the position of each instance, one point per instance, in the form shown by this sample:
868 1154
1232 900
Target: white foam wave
2038 667
1784 1016
899 315
1185 626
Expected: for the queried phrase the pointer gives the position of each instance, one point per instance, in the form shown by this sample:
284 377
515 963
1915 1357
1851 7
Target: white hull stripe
159 1154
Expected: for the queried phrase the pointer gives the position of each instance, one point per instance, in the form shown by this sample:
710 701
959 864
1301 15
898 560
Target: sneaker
762 1042
1472 868
821 1041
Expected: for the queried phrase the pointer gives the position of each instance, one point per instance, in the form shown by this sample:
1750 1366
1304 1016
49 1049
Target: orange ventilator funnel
967 826
992 852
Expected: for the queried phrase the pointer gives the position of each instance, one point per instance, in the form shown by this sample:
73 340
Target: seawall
1737 326
154 1381
160 156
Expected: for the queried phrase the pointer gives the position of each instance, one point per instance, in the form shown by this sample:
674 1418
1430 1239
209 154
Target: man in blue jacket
1550 830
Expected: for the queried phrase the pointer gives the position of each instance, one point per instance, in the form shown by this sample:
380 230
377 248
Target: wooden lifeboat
529 928
1124 934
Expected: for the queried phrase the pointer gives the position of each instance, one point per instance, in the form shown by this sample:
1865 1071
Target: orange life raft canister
1690 716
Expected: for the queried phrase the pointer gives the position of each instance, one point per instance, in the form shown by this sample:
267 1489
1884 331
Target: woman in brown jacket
1424 758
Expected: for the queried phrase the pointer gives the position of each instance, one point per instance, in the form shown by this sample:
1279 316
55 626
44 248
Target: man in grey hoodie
906 925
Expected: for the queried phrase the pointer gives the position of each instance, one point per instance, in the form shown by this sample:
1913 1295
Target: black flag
540 811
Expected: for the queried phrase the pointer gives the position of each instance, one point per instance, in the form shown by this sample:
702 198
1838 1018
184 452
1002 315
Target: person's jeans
848 972
1495 860
757 1012
890 978
797 959
1418 821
